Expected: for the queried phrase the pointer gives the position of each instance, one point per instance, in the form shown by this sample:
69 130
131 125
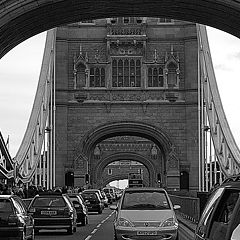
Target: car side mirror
176 207
114 207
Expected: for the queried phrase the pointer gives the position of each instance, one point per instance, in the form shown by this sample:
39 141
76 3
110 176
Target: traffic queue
61 208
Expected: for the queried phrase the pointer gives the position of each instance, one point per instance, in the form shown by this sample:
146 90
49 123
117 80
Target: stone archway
20 20
125 156
128 128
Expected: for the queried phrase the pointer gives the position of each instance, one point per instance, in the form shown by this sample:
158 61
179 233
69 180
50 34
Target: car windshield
145 200
49 202
5 206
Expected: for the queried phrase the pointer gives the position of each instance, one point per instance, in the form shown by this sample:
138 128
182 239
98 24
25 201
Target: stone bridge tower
127 90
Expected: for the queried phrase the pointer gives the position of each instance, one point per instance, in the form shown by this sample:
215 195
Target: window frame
95 67
129 58
157 66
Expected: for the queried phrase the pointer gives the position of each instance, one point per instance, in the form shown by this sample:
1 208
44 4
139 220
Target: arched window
172 74
155 77
81 76
126 72
97 77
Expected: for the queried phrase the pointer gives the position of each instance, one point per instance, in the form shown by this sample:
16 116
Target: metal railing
30 150
190 207
220 146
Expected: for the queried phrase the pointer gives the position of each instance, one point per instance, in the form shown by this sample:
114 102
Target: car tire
33 235
36 231
70 230
177 238
23 237
100 211
84 221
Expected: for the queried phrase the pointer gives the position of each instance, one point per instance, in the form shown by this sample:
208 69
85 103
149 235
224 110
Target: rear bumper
94 208
57 223
11 233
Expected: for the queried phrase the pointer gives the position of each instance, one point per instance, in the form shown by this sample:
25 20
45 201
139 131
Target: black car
93 201
53 211
220 219
15 222
81 208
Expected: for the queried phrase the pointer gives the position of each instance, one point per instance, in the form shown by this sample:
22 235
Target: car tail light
32 210
68 212
14 220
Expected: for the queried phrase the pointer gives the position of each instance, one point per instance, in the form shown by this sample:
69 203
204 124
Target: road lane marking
94 231
88 237
98 226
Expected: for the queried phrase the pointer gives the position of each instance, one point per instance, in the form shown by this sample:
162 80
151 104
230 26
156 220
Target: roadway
99 227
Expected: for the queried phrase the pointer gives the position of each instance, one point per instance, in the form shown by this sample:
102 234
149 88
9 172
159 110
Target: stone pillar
173 174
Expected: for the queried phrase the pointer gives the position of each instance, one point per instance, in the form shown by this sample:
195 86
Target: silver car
145 213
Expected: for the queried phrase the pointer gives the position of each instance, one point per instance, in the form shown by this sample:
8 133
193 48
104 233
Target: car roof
6 196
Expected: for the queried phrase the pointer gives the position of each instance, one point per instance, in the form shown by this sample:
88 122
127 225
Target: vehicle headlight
122 222
170 222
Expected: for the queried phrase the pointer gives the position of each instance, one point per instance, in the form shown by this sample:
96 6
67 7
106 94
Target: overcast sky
20 68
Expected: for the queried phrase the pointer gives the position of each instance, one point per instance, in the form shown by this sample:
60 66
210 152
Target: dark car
93 201
15 222
81 208
220 219
110 198
53 211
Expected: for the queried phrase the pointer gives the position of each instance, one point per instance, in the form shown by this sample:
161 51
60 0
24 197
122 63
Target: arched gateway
89 159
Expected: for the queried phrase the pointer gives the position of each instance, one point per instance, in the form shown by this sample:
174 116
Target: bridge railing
225 148
30 150
190 207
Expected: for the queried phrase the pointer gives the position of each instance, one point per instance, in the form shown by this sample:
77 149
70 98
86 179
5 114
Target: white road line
94 231
98 225
88 237
103 221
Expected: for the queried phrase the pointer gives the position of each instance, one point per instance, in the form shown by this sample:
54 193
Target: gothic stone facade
127 71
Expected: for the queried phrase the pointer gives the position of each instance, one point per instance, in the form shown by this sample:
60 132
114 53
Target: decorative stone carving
172 161
79 161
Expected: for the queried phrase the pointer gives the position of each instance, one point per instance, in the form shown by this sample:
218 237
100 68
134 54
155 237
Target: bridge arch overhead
124 156
144 130
20 20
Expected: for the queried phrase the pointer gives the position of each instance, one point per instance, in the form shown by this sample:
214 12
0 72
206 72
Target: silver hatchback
145 213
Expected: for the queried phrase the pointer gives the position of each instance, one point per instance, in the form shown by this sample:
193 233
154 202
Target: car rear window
49 202
145 200
5 206
89 195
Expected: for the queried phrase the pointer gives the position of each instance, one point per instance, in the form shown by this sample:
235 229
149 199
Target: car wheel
36 231
100 211
177 238
70 230
33 235
84 221
23 237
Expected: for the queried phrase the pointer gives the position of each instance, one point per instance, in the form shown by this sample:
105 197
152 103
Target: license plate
49 213
147 233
